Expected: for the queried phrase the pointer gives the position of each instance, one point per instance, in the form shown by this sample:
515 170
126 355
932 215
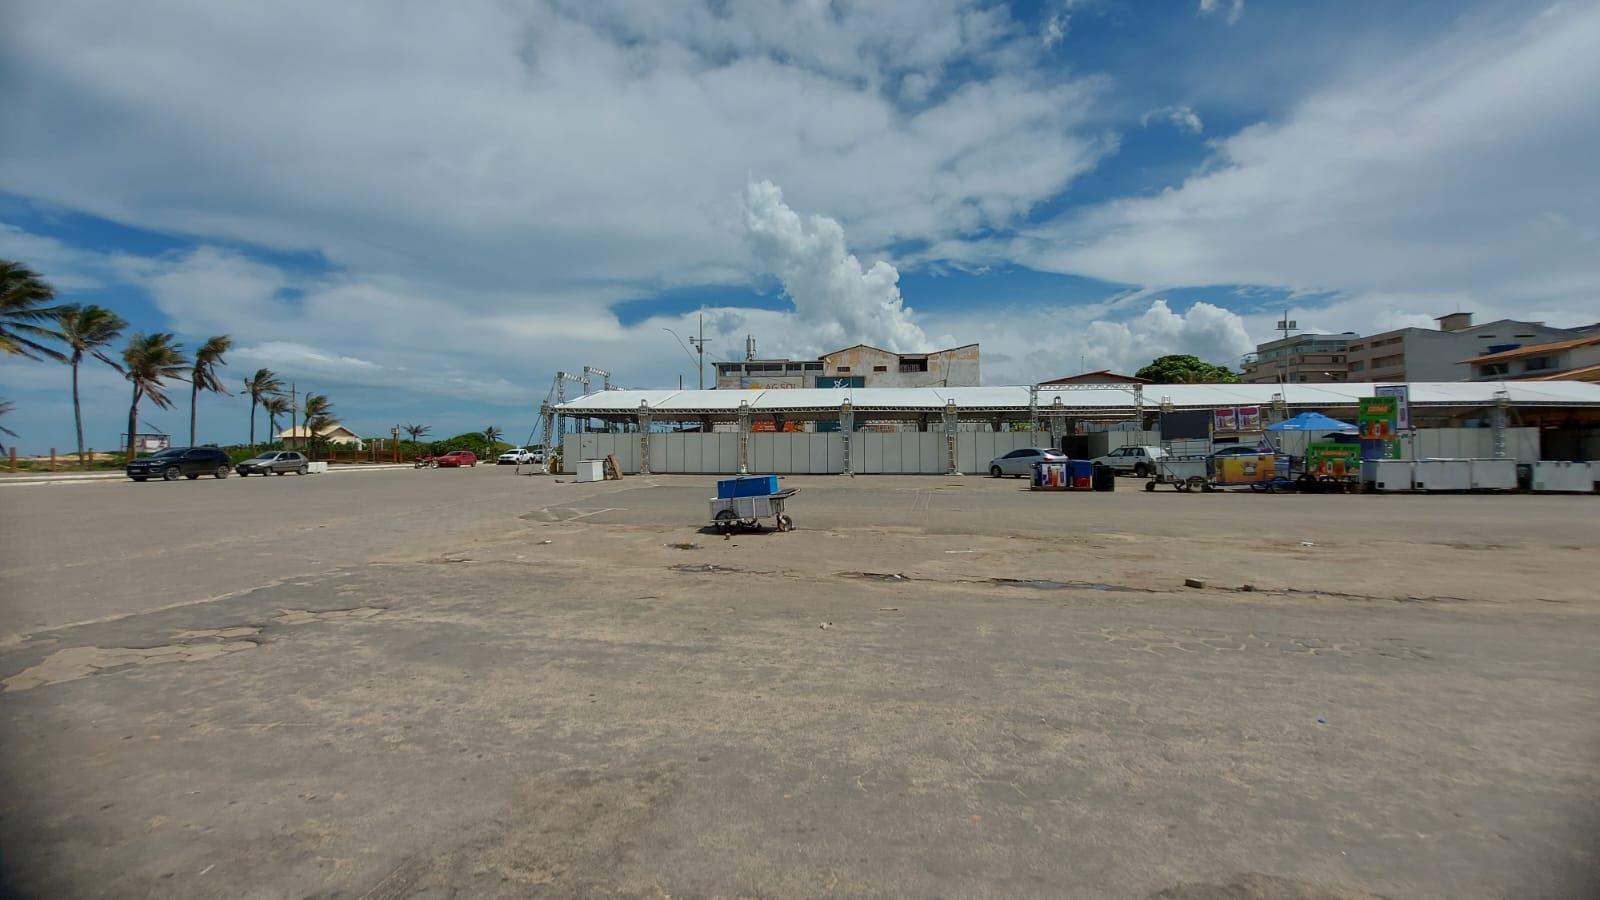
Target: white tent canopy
1098 399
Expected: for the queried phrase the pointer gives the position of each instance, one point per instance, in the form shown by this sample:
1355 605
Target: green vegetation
204 376
150 360
86 329
1185 369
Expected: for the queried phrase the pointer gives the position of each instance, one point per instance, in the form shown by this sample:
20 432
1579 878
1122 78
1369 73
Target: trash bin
1105 478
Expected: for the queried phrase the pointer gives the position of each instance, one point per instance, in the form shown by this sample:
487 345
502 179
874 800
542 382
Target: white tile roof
1109 397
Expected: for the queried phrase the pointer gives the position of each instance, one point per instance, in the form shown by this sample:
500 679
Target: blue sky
425 211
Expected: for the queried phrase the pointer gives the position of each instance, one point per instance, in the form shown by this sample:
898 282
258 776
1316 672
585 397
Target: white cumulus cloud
837 301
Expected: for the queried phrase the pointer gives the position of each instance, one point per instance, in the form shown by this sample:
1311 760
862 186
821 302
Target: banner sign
1402 400
1236 419
1328 458
1378 418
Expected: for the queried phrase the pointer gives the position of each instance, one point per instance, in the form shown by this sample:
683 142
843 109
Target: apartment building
1298 359
1442 354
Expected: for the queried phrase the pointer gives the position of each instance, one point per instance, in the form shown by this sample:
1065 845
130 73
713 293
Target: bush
471 440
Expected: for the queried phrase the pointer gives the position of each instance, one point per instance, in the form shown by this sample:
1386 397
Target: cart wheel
724 520
1198 484
1208 487
785 523
1150 486
1182 486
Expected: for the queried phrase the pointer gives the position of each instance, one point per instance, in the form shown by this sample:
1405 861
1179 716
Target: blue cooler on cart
1081 472
747 486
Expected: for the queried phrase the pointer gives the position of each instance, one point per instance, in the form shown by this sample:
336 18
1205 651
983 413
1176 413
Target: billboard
1328 458
1378 418
841 381
1233 419
1402 400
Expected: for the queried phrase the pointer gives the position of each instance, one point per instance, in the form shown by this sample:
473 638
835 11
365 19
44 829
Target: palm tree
316 414
5 407
204 376
149 361
274 406
86 329
491 436
259 386
22 297
417 432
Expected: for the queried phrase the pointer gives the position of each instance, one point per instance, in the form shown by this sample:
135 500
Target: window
913 365
813 367
1357 366
1490 370
1524 335
880 368
844 370
1539 363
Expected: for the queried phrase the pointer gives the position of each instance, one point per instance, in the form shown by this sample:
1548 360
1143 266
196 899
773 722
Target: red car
456 459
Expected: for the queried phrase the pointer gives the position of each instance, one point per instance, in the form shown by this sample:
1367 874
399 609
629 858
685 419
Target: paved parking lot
417 683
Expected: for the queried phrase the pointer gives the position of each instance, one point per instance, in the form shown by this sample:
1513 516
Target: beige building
953 367
334 434
860 366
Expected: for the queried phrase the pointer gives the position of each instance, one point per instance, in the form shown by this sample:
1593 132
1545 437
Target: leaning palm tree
264 383
5 407
24 301
491 436
204 376
274 406
86 329
417 432
149 361
319 408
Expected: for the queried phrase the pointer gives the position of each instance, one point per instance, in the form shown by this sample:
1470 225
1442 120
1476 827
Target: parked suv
274 462
190 462
1139 461
517 456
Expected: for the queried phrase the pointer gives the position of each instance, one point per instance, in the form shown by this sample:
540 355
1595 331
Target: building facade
1577 359
1298 359
858 366
953 367
1099 376
1443 354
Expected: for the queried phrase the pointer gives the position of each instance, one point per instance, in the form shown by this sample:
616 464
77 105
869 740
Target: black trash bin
1103 478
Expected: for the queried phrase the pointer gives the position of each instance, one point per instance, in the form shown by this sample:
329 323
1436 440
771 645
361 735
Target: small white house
335 434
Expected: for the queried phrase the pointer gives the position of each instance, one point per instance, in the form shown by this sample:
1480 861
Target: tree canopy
1182 368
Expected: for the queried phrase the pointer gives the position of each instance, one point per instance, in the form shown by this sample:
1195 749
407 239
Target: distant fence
801 453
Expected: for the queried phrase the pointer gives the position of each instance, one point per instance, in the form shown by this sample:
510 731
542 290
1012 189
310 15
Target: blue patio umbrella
1312 421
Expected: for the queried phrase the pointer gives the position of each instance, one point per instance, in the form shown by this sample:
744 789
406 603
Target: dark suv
190 462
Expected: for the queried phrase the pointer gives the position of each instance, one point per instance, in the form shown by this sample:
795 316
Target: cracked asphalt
443 683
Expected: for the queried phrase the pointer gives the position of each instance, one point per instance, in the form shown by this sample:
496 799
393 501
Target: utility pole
700 348
1285 325
294 409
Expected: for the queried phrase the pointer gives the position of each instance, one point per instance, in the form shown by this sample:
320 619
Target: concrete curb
25 480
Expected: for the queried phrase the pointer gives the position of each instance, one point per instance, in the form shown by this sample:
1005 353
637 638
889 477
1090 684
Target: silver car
1020 462
275 462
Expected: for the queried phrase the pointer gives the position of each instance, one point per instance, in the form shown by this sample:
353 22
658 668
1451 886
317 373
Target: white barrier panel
1563 476
975 449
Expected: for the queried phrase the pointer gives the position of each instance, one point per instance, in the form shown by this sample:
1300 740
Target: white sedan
1020 462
